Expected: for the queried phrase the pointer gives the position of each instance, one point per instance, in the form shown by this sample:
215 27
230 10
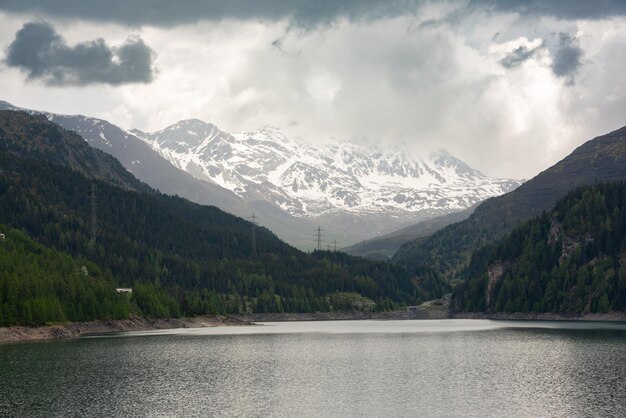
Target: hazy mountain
384 247
598 160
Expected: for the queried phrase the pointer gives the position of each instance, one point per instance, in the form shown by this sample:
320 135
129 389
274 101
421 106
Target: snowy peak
442 158
186 135
313 180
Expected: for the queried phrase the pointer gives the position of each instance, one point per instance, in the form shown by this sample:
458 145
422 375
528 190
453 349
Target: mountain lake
433 368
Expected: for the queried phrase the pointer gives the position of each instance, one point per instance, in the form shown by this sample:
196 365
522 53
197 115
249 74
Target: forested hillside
599 160
570 259
39 284
182 258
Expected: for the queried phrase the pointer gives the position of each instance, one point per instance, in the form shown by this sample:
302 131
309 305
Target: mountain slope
570 259
36 137
448 250
384 247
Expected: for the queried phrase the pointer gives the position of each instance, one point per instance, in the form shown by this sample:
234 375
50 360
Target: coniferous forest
570 259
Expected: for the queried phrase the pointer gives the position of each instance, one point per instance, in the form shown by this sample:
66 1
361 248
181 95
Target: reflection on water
342 368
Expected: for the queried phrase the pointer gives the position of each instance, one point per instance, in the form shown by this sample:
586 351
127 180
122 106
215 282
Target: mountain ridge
313 181
600 159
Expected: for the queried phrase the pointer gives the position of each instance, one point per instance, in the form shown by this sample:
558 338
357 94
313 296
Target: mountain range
352 192
315 180
186 258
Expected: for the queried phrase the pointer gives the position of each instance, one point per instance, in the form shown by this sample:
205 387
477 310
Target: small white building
124 290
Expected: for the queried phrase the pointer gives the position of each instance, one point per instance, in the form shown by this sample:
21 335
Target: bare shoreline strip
78 329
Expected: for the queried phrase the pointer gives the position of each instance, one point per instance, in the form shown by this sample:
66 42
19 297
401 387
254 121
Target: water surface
334 368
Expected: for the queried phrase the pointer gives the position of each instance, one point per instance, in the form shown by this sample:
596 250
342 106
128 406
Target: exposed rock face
495 273
568 244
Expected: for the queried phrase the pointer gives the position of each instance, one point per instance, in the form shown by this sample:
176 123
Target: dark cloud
303 13
560 9
567 57
43 54
518 56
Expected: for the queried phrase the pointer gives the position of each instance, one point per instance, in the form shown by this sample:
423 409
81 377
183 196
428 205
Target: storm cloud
43 54
167 13
302 13
567 58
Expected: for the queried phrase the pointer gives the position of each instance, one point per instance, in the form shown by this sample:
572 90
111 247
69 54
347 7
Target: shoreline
72 330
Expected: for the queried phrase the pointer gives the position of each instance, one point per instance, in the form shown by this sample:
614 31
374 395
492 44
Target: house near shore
124 290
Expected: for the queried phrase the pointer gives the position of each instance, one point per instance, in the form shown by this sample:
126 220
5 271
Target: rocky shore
78 329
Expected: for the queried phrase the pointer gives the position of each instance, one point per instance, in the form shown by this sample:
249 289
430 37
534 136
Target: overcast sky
510 87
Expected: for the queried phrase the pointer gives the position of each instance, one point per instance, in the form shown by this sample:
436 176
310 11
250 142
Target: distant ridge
384 247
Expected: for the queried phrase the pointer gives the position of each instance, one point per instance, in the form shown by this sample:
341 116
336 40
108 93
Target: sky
510 86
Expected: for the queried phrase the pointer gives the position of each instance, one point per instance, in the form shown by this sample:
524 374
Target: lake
439 368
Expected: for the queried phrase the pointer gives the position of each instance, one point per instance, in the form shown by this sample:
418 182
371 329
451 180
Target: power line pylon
319 238
93 213
253 219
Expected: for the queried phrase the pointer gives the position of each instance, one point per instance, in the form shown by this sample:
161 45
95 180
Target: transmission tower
93 212
319 238
335 245
253 219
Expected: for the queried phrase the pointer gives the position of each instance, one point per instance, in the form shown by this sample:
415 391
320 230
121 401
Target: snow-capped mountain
309 180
